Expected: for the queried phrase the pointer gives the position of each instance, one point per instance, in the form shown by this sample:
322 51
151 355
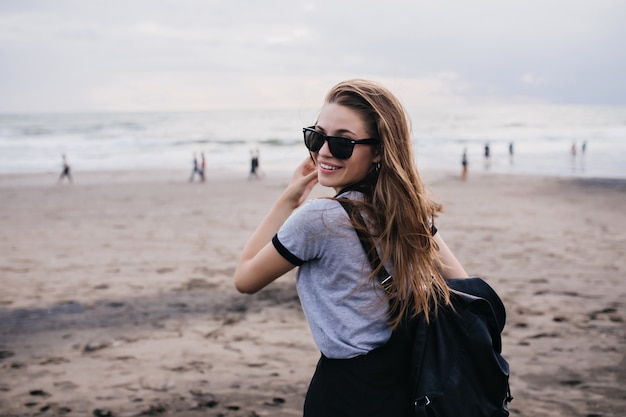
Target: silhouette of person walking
66 172
487 155
573 152
464 165
254 165
195 169
583 151
202 167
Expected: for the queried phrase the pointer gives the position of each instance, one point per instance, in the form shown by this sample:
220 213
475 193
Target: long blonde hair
396 202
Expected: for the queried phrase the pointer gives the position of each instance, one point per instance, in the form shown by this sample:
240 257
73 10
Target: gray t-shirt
346 312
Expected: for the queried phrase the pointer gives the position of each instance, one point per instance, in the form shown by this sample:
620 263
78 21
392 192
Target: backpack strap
383 276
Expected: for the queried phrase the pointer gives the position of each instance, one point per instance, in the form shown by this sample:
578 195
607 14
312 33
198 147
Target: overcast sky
117 55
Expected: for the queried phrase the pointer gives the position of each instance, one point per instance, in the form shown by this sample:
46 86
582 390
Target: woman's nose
325 150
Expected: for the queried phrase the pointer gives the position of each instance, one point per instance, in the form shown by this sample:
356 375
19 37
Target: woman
360 145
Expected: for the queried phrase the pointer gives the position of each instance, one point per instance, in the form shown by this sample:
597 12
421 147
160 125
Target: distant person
583 151
573 152
254 164
202 167
195 170
464 165
511 153
487 155
66 171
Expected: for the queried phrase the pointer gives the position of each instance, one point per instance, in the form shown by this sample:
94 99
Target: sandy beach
117 299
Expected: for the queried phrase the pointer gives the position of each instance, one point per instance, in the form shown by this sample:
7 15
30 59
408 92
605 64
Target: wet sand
117 295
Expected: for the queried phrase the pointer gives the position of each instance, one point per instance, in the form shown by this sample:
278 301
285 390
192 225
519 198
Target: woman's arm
451 267
260 262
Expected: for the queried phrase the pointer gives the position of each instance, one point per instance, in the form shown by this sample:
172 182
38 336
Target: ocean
542 137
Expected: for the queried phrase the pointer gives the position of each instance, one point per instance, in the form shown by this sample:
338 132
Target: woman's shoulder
332 204
316 218
322 205
321 212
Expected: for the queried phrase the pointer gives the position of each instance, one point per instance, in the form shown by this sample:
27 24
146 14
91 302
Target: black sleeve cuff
285 252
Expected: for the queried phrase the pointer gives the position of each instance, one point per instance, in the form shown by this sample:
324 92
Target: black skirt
372 385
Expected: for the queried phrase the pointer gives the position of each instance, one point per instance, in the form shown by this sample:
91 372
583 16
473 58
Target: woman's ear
377 156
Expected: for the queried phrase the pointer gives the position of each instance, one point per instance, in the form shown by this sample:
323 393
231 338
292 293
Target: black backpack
456 364
456 368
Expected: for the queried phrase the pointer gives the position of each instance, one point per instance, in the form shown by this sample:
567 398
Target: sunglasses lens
313 140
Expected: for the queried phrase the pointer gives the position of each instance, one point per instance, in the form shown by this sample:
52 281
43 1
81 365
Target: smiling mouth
328 167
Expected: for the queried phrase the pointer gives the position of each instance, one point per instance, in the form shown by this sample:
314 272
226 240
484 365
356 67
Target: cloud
531 79
167 91
209 53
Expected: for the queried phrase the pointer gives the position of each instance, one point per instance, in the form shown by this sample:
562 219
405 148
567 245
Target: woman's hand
302 182
260 262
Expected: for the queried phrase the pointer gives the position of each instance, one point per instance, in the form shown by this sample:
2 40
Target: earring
377 166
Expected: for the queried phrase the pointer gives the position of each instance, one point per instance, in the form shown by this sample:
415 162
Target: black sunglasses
340 147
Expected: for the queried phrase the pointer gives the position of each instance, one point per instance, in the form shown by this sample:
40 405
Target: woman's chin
325 181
